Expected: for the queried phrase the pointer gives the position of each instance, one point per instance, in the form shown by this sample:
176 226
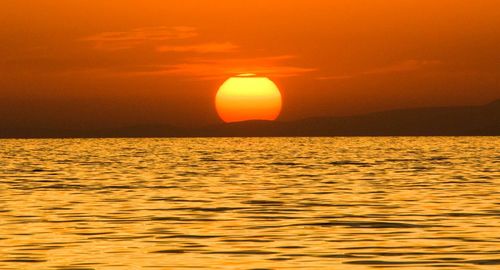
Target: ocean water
250 203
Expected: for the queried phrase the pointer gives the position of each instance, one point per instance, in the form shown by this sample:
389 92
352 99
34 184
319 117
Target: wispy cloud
213 47
404 66
221 68
129 39
335 77
409 65
213 57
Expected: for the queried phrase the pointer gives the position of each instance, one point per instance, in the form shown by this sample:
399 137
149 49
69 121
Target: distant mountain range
435 121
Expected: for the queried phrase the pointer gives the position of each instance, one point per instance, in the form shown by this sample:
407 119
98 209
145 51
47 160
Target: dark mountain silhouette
435 121
439 121
128 132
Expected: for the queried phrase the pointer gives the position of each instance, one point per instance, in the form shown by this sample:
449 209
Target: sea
250 203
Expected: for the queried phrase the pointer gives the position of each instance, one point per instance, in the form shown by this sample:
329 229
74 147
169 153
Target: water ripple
250 203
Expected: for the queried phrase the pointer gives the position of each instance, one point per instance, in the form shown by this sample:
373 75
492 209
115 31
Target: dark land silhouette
434 121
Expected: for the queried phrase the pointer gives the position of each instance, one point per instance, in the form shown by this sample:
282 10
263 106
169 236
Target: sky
98 64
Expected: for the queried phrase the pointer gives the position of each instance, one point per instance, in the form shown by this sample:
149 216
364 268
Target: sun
248 97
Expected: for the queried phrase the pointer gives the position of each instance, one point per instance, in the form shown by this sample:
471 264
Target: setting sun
261 134
248 97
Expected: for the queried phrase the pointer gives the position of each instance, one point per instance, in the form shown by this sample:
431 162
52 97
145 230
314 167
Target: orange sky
95 63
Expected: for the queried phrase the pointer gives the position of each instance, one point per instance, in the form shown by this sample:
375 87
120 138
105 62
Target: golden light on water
347 203
248 97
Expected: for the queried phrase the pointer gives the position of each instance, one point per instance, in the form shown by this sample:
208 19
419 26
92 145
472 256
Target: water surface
250 203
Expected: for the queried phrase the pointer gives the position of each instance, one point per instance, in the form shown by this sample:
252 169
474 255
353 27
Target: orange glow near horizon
93 64
248 97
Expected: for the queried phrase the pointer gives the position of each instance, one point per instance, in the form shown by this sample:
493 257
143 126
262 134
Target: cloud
129 39
335 77
221 68
213 47
209 64
404 66
409 65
